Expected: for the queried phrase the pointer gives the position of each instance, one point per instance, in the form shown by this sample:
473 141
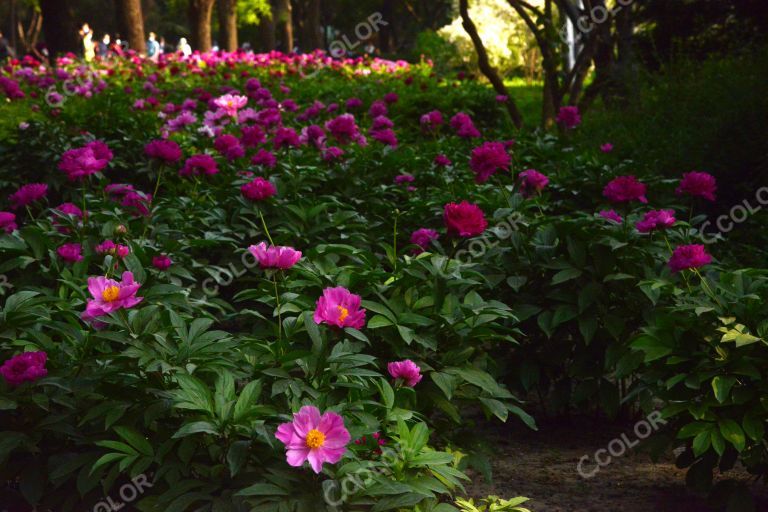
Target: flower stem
266 231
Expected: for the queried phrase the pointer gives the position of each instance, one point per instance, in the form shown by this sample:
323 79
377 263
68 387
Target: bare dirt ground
542 466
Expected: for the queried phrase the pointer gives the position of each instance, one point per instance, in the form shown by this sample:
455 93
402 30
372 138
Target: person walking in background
103 50
153 47
89 52
184 47
5 48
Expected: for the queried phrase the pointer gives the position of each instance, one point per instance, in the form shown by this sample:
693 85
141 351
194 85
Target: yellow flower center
343 313
110 293
315 439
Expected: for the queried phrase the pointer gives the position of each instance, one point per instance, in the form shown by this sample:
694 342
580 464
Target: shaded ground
542 466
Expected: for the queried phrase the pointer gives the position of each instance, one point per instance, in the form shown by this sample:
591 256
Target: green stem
266 231
279 314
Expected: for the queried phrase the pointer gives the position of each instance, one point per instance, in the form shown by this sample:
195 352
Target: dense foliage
204 255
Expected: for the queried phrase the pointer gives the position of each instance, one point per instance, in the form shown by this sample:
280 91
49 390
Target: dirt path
543 466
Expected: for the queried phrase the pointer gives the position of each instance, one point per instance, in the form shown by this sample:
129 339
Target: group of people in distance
106 47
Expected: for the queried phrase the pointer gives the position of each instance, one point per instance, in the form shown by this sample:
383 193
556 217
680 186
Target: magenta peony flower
343 128
611 215
314 438
332 153
166 151
423 237
8 222
24 367
110 247
286 138
391 97
698 184
230 103
82 162
28 194
531 182
110 295
340 308
607 147
139 202
264 157
464 219
314 135
258 189
407 371
404 178
569 117
275 256
382 123
252 136
71 253
625 189
199 164
502 98
353 103
688 257
487 159
442 161
229 146
656 219
387 137
378 108
463 126
162 262
431 121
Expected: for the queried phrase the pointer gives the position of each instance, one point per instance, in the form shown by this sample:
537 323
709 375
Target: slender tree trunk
314 28
199 13
282 13
266 42
130 15
485 65
227 10
387 34
59 27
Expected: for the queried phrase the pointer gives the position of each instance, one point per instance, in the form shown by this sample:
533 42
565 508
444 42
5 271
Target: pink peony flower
611 215
353 103
404 178
110 247
698 184
252 136
423 237
378 108
28 194
275 256
166 151
199 164
442 161
229 146
71 253
463 126
406 370
625 189
343 128
258 189
24 367
391 97
382 123
386 136
110 295
656 219
464 219
286 138
8 222
531 182
230 103
340 308
431 121
607 147
162 262
264 157
332 153
569 117
314 438
487 159
82 162
687 257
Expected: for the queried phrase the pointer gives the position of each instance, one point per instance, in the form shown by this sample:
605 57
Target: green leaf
135 439
722 387
196 427
732 433
262 490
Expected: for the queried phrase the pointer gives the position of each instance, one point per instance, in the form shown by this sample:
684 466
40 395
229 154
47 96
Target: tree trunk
282 13
59 27
131 19
266 42
199 13
227 10
312 26
485 65
386 34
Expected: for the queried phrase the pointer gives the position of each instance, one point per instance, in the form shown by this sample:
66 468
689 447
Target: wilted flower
28 194
110 295
464 219
698 184
24 367
275 256
71 253
407 371
625 189
314 438
656 219
258 189
340 308
687 257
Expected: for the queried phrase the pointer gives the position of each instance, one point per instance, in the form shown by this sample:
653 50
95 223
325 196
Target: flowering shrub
229 299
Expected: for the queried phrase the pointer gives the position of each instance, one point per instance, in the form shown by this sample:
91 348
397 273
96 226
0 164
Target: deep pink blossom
264 157
199 164
698 184
24 367
275 256
229 146
252 136
625 189
8 222
687 257
442 161
569 117
532 182
611 215
656 219
340 308
423 237
488 159
162 262
166 151
431 121
113 249
258 189
607 147
81 162
110 295
71 253
386 136
407 371
28 194
464 219
286 138
463 126
343 128
313 437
